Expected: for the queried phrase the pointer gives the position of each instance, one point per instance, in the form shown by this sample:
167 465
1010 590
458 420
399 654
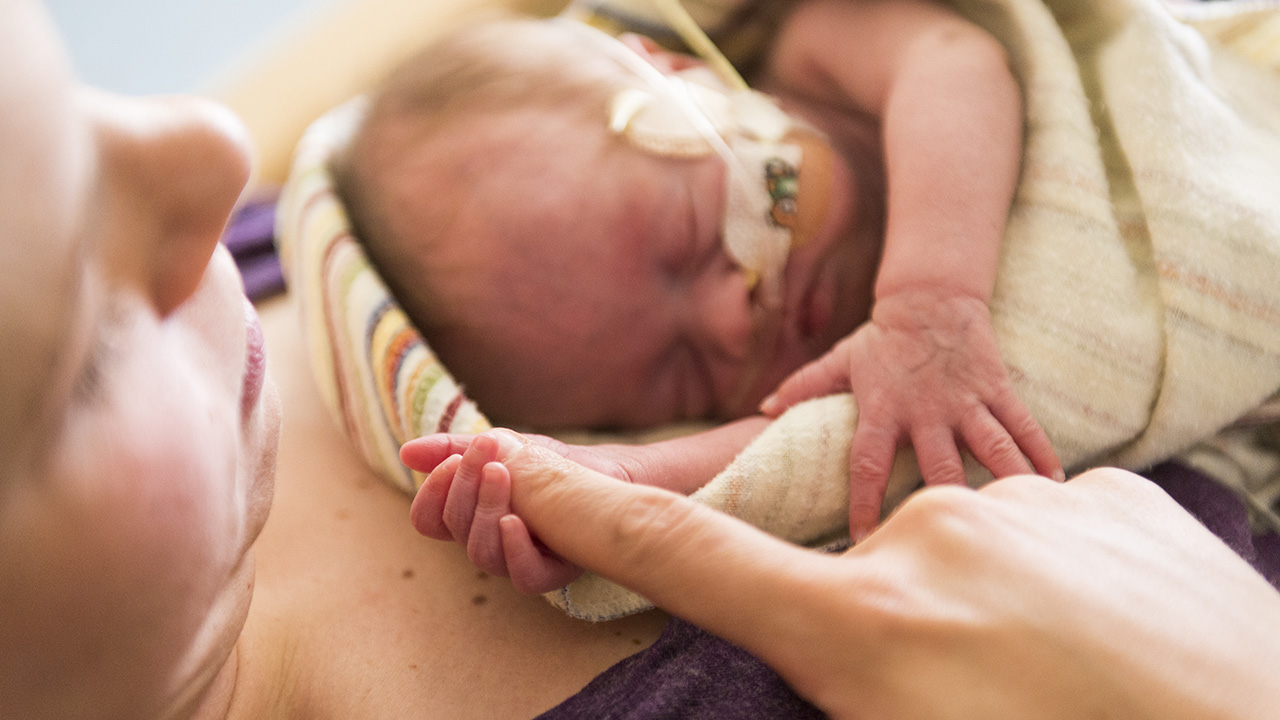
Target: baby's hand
924 369
467 498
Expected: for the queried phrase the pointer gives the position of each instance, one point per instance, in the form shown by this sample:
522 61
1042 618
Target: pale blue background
163 46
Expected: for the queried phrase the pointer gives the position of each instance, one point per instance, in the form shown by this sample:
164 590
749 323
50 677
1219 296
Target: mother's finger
713 570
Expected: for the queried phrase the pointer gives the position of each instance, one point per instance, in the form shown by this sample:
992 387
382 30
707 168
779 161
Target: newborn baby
592 232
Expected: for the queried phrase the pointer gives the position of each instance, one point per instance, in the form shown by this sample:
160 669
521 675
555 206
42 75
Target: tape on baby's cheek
760 212
683 121
692 118
793 204
813 187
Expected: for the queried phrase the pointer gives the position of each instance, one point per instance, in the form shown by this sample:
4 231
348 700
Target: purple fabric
1268 563
687 673
690 673
250 236
1218 509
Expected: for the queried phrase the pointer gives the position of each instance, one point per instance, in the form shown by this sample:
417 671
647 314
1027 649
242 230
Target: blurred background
115 43
278 64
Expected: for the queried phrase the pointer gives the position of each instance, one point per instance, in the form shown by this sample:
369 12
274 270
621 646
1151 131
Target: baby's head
564 276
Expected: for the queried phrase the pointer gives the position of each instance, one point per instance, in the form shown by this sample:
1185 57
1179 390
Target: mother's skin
341 565
137 452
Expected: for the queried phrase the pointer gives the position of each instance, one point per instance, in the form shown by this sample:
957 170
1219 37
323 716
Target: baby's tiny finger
484 544
991 444
938 456
460 508
427 511
1029 435
870 461
532 571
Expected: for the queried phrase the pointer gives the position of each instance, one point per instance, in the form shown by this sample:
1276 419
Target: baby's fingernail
1060 475
769 405
490 495
859 535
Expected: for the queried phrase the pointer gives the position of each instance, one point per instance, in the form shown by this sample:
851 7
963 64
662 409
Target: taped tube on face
695 113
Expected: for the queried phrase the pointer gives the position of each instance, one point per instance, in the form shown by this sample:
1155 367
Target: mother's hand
1028 598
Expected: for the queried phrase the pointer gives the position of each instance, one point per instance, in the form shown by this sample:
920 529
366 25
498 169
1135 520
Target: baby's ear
658 56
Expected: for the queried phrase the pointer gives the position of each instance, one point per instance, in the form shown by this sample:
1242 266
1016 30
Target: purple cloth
690 673
687 673
1268 563
1218 509
250 236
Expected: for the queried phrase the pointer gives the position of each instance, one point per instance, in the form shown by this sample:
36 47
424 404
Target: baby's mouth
813 316
768 324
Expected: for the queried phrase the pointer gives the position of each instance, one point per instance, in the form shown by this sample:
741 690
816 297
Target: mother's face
137 428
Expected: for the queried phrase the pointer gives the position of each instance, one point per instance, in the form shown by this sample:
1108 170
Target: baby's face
588 284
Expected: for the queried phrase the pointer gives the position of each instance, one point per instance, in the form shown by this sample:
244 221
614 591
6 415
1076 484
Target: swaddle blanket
1137 303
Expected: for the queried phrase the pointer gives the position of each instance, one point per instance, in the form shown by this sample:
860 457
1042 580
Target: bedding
1136 305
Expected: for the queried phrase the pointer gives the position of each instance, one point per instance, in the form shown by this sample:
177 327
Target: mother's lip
255 365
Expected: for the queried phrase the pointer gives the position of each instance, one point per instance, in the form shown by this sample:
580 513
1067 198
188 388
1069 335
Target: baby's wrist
929 291
929 307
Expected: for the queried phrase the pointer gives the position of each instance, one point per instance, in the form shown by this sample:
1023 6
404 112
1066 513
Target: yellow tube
693 36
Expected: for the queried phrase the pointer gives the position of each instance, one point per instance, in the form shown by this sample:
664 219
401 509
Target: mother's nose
177 166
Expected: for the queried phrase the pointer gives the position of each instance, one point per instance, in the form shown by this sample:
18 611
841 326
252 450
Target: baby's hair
483 70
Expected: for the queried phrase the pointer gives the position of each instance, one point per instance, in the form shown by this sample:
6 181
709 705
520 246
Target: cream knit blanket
1138 299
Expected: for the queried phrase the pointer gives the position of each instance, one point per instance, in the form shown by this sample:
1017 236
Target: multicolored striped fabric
376 374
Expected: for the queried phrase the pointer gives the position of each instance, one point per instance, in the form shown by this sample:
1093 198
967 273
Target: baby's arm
926 367
466 495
